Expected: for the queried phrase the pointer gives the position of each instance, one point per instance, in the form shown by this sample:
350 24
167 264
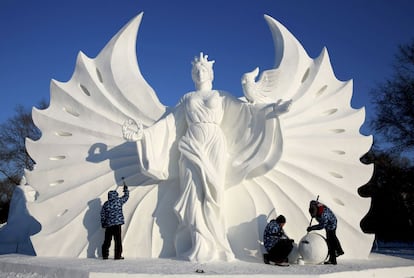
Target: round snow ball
313 248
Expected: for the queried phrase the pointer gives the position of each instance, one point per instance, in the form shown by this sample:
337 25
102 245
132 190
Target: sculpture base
376 266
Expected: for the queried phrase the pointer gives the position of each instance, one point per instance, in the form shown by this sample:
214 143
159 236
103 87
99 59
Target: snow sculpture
15 236
201 183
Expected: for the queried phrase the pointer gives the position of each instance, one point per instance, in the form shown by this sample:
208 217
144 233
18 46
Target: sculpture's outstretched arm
281 107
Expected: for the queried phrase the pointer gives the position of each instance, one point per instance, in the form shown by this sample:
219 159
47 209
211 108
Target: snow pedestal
313 248
15 235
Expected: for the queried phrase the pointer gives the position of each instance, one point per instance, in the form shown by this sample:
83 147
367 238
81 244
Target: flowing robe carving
197 128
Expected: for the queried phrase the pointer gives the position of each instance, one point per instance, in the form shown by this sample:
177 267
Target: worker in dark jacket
327 220
277 243
112 218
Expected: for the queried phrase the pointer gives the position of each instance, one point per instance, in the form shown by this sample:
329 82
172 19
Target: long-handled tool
123 183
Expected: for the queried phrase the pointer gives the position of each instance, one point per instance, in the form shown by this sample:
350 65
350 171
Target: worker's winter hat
112 194
313 208
280 219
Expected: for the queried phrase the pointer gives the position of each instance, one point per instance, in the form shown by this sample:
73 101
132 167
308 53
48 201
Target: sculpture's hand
132 131
281 107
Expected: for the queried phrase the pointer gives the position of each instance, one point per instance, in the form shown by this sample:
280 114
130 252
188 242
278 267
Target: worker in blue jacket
276 242
112 218
326 220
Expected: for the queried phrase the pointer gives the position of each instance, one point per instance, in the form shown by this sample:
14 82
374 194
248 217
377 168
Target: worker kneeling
277 243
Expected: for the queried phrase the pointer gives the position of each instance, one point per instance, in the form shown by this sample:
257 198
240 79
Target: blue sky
40 40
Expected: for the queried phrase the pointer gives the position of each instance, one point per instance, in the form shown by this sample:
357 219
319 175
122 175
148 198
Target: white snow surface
377 265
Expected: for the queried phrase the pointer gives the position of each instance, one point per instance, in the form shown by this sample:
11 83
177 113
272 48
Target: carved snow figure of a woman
201 126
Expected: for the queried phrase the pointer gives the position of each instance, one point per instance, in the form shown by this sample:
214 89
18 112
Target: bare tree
391 190
394 101
13 155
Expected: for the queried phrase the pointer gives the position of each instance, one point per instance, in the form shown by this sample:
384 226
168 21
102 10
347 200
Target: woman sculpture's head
202 72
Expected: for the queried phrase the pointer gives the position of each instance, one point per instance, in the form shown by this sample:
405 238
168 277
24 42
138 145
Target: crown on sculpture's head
203 60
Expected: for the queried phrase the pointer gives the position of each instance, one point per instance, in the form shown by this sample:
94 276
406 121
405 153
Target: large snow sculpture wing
81 154
321 154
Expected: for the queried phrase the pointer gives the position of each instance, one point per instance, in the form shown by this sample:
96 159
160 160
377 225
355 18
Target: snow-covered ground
378 265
